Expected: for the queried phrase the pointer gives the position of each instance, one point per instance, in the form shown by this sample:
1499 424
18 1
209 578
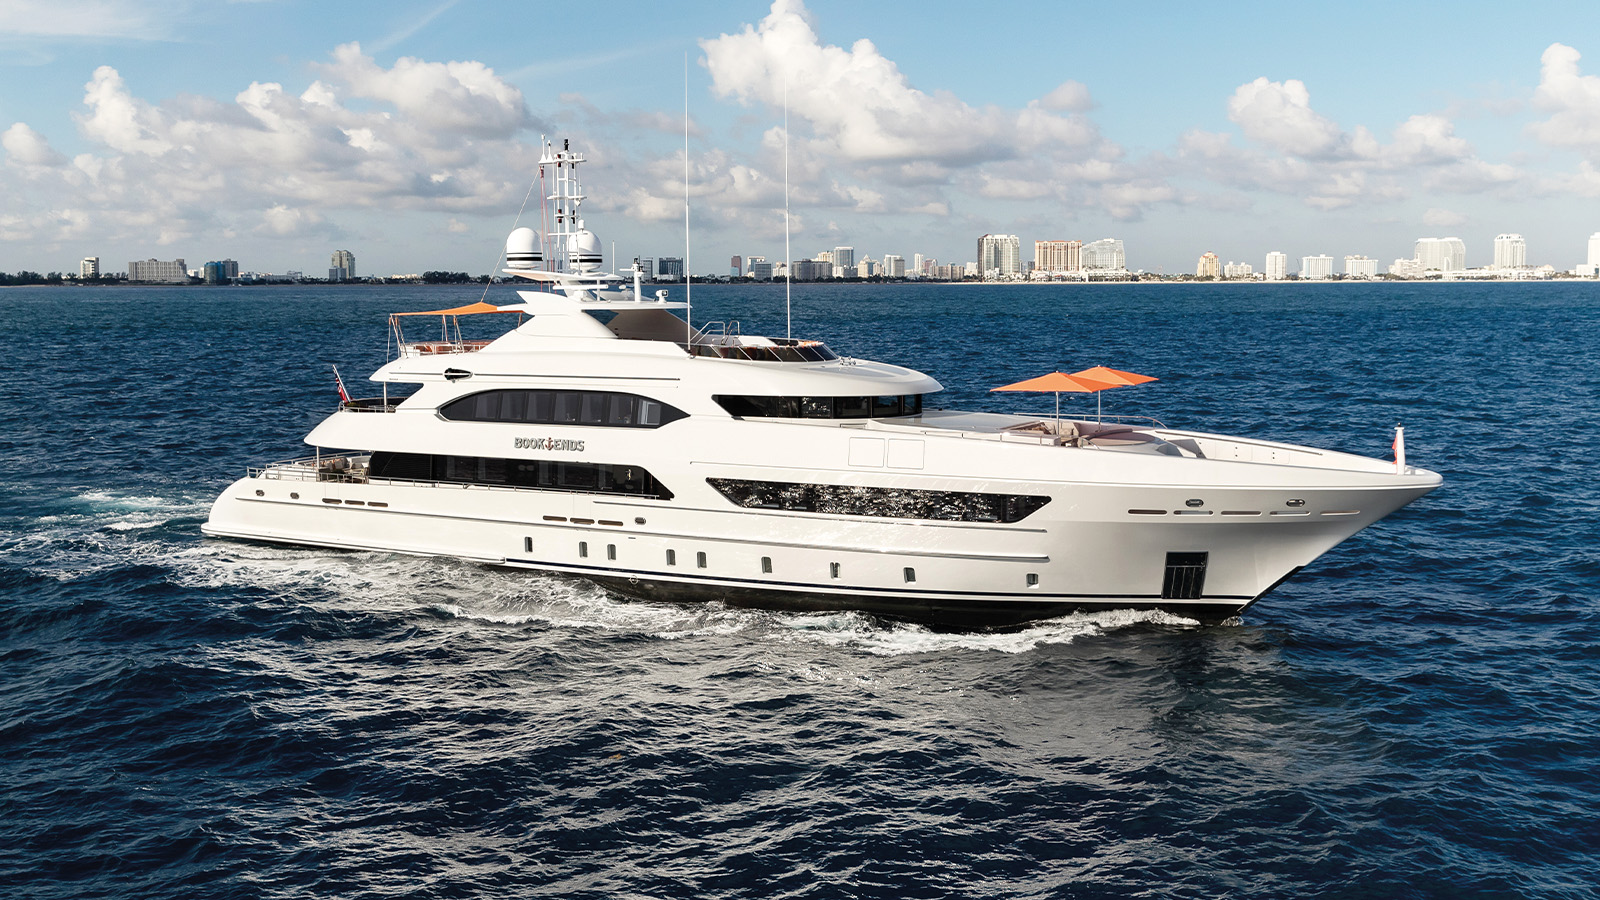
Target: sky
276 131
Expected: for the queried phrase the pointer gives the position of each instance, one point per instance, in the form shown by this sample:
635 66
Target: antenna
688 270
788 261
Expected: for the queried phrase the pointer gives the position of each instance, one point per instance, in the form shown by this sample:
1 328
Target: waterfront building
844 258
1316 268
220 271
750 263
1444 254
1510 251
1594 249
1208 267
158 271
1238 270
1104 255
999 256
89 267
1360 267
918 266
669 268
736 267
761 271
894 266
342 266
1277 266
812 269
1406 268
1058 257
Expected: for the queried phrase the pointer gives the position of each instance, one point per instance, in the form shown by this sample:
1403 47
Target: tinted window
609 478
902 503
751 407
608 408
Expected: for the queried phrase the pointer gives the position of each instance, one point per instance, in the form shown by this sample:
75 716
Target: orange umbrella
1058 382
1117 377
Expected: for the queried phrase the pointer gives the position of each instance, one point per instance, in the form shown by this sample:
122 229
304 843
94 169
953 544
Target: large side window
611 409
900 503
555 475
884 407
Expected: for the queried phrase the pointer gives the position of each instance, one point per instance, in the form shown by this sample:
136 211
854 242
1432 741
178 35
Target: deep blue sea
1416 715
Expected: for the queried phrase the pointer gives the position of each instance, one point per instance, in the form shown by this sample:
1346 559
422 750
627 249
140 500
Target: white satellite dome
585 252
522 249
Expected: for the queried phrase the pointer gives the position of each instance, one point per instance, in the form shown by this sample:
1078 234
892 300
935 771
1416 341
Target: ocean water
1416 715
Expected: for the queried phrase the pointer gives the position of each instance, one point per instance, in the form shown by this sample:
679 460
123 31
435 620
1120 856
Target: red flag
344 395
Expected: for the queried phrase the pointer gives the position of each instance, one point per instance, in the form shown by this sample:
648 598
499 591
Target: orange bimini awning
470 309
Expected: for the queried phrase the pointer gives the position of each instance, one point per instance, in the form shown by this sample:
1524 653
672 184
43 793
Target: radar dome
522 249
585 250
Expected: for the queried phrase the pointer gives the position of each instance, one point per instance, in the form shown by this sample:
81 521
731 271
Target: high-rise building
750 265
918 265
89 267
158 271
1000 256
1208 266
1316 268
1238 270
1360 267
1594 249
342 266
812 270
1058 257
1277 266
1104 255
894 266
1510 251
1444 254
844 258
761 271
669 268
220 271
736 266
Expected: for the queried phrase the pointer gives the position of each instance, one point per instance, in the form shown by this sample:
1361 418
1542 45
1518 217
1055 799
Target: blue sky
274 132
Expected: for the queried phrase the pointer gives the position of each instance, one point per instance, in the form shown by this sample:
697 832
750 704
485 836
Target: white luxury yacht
602 437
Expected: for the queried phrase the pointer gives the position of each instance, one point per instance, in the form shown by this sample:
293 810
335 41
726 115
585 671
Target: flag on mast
1399 449
344 395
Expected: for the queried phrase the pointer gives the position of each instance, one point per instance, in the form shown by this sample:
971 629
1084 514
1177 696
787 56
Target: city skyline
408 133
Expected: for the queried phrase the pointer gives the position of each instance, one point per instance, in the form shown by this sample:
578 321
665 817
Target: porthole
611 551
672 557
294 496
910 574
1033 579
700 559
260 493
583 549
833 570
766 565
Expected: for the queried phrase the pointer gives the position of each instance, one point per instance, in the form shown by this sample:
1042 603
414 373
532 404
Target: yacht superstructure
603 437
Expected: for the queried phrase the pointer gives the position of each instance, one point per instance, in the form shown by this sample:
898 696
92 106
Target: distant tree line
26 277
452 278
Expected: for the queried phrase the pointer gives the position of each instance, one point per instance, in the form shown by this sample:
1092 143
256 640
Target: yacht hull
1086 551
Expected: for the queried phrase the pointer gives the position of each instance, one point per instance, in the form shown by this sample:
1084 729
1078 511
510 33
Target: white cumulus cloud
1571 98
27 147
